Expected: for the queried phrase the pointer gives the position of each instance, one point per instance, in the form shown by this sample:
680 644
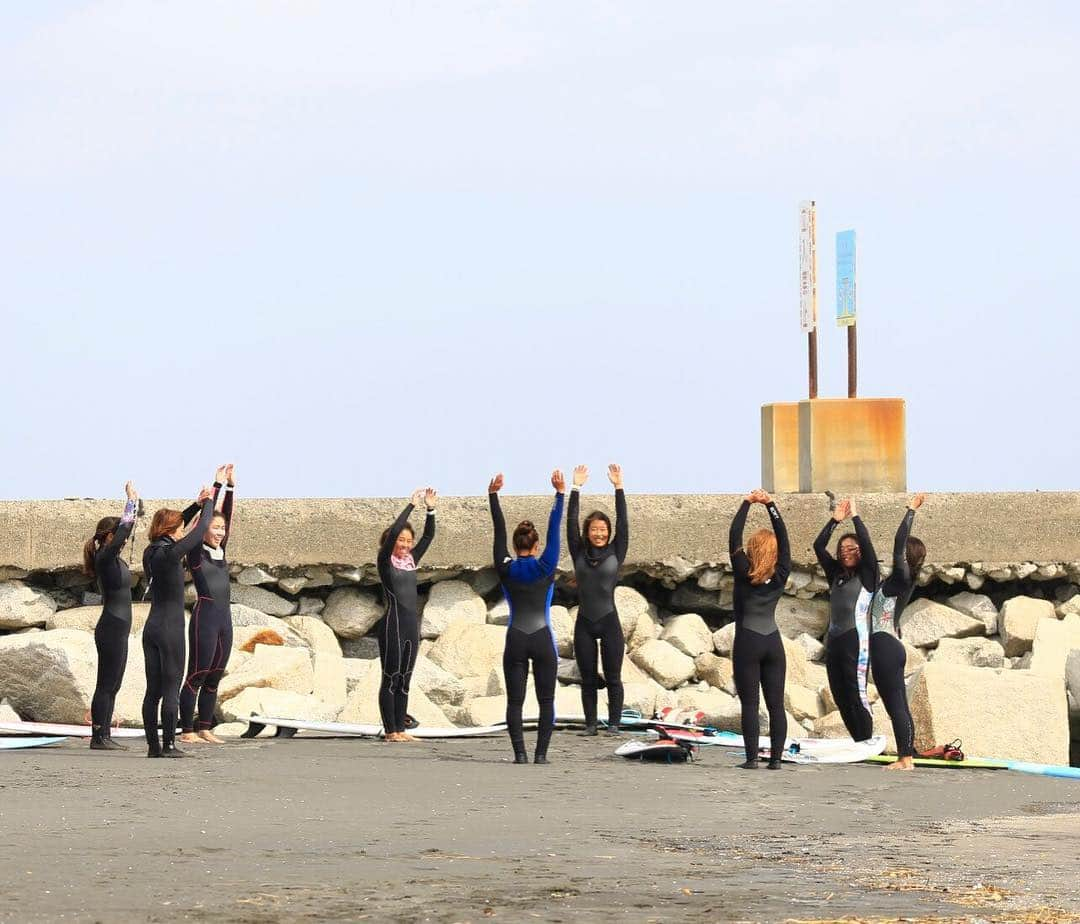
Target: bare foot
191 738
393 736
902 763
207 735
405 736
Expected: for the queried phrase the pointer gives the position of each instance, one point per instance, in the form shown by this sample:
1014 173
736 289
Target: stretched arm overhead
193 538
499 552
622 526
429 526
821 550
783 543
573 524
739 562
550 557
227 503
123 531
869 571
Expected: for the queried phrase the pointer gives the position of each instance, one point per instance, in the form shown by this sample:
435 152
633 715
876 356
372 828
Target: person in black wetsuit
102 560
163 636
761 571
853 578
399 631
210 629
528 583
887 654
597 560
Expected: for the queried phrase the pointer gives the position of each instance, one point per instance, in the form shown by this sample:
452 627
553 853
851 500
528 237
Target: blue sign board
845 278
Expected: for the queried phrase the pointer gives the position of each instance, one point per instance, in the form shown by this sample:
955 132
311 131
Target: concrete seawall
989 528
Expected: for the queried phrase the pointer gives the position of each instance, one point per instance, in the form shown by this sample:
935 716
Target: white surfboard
13 744
373 731
652 749
815 750
71 731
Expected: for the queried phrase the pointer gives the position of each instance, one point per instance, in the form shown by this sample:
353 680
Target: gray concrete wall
1039 527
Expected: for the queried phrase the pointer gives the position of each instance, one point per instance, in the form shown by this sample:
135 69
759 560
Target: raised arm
499 552
573 522
783 544
193 538
869 571
227 503
622 519
821 550
127 523
430 496
549 560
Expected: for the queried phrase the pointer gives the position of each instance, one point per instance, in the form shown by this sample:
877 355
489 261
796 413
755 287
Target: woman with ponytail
760 665
103 562
163 637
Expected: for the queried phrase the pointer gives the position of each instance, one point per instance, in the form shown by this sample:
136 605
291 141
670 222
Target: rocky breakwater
993 646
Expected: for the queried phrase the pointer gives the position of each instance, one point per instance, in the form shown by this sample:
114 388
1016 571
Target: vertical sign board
808 266
845 278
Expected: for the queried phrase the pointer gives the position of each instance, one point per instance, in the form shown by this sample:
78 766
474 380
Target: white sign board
807 266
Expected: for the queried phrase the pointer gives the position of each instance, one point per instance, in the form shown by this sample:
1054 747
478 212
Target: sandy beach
344 829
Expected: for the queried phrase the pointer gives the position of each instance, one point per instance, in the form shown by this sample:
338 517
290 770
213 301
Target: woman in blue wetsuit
528 583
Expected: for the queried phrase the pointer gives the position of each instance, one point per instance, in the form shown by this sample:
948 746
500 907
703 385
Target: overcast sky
357 247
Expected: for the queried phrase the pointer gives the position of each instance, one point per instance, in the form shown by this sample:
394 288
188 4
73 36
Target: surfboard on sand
664 750
974 763
13 744
815 750
69 731
287 728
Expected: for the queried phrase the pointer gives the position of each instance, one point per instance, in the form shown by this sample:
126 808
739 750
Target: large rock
265 601
714 703
802 703
815 651
279 704
640 696
636 616
724 639
499 614
971 652
562 626
715 671
467 649
1017 715
253 576
327 661
1054 640
86 618
692 597
663 662
977 606
795 656
688 633
924 623
362 706
1072 674
490 710
365 648
22 606
795 616
49 676
440 686
357 670
1069 606
275 666
352 612
451 601
1019 618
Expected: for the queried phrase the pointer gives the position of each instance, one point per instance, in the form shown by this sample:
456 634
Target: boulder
356 670
815 651
311 606
265 601
795 655
640 696
128 707
723 639
636 616
715 671
795 616
254 576
915 658
49 676
828 702
7 714
1054 640
1029 719
22 606
468 649
712 702
365 648
499 614
802 703
362 706
688 633
977 606
924 623
690 597
971 652
282 704
327 661
1069 606
292 585
568 671
490 710
483 581
451 601
275 666
1019 617
352 612
318 577
1072 674
562 625
663 662
440 686
86 618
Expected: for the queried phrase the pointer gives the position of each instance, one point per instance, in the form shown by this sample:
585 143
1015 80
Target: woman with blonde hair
761 571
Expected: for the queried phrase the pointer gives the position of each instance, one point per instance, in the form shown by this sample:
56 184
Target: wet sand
346 830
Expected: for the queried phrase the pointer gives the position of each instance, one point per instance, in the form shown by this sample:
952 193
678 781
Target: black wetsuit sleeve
549 559
573 525
426 539
192 539
387 547
226 510
622 526
499 550
190 512
740 564
122 532
783 543
901 576
869 572
821 550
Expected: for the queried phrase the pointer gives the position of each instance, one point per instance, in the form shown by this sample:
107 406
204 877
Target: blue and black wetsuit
758 657
887 655
399 631
163 637
597 572
113 628
847 654
528 584
210 629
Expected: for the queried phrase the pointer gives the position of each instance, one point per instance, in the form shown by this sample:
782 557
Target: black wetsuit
113 628
757 655
528 584
847 643
597 571
399 631
887 654
163 637
210 629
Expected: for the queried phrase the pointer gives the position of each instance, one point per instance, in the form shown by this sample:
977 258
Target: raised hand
917 501
219 475
842 511
614 473
581 475
430 497
417 497
230 474
759 496
558 482
495 485
205 494
852 509
129 490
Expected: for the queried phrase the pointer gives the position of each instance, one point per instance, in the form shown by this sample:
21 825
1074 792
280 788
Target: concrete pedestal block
780 447
852 445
